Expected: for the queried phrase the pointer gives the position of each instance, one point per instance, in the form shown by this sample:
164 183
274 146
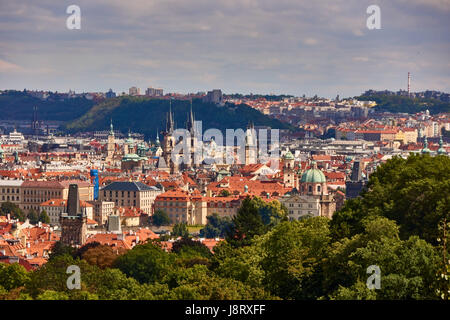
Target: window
318 188
310 189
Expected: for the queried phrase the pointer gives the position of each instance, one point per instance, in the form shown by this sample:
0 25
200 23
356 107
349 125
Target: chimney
137 239
8 217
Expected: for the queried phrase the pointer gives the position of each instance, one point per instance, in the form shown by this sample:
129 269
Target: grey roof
128 186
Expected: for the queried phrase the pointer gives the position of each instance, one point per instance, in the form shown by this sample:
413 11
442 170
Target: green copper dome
425 146
288 155
441 149
313 175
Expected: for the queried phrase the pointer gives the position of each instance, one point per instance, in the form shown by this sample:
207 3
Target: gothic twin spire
170 120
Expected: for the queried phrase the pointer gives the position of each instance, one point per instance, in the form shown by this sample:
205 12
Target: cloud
310 41
6 66
237 45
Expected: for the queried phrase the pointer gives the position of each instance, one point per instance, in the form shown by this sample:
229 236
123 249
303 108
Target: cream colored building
10 191
33 193
300 206
181 206
102 209
130 194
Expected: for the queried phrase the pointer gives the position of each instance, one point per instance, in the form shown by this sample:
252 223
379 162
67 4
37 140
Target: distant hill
403 104
18 105
147 115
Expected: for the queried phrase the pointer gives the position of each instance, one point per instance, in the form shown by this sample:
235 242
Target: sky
293 47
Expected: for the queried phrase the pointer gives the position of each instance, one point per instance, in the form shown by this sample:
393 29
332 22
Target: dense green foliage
160 218
13 209
18 105
404 104
146 115
414 192
397 225
216 227
180 230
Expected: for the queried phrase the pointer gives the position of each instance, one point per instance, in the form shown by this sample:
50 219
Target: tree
13 209
216 227
414 192
246 223
102 256
294 257
147 263
160 218
408 267
60 249
242 264
33 216
180 230
13 276
198 283
52 295
43 217
191 247
272 212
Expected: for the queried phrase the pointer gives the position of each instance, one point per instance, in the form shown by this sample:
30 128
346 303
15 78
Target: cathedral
166 162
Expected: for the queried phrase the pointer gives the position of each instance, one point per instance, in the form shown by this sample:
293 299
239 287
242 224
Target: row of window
12 198
300 205
299 212
8 190
42 192
122 193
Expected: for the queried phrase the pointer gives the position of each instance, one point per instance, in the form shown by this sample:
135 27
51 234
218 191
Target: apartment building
33 193
102 209
10 191
130 194
193 209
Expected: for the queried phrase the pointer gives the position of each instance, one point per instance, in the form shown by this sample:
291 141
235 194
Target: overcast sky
261 46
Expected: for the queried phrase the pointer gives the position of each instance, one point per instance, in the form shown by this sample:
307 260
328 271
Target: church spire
169 121
190 122
111 131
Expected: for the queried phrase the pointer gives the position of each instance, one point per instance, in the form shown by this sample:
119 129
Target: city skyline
280 47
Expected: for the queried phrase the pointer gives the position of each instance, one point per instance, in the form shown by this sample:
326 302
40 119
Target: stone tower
73 221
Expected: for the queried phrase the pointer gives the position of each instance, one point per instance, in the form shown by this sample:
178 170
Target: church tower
290 179
192 143
169 141
250 144
111 146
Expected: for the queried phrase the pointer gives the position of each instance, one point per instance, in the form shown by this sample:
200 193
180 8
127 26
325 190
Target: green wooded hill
402 104
18 105
147 115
